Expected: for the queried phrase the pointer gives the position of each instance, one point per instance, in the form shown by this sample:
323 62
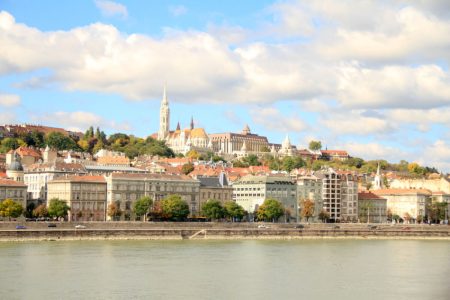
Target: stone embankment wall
140 230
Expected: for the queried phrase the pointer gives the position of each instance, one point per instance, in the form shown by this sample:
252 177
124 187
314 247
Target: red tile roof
369 196
9 182
402 192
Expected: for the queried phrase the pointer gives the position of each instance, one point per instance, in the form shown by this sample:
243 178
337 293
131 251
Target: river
242 269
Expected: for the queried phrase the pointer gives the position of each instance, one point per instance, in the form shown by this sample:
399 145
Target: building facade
250 192
124 189
339 195
38 175
85 195
216 188
372 208
406 203
309 187
10 189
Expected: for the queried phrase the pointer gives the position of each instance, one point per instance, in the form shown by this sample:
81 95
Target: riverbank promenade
214 230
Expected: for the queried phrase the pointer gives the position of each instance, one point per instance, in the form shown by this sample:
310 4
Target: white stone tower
164 117
377 183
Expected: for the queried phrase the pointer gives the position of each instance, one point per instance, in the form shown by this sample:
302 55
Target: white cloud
372 151
79 120
436 155
177 10
111 8
355 123
272 119
425 86
9 100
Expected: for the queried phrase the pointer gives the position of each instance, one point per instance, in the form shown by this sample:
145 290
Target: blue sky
370 77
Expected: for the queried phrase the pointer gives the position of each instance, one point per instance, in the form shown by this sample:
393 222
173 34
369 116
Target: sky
369 77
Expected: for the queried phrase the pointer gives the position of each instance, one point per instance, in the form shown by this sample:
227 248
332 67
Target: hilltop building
181 140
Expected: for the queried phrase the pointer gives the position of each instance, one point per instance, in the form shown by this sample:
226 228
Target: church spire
192 122
178 126
164 117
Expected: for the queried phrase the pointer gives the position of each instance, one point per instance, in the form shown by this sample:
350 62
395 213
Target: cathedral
230 145
181 140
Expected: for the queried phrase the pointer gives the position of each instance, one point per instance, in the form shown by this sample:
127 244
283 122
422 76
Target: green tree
234 210
187 168
114 211
174 208
40 211
58 208
251 160
307 209
193 154
34 138
324 215
9 144
213 210
10 209
142 206
315 145
270 210
59 141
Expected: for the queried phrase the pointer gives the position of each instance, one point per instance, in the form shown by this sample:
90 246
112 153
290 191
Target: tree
436 211
187 168
174 208
270 210
114 211
40 211
407 217
315 145
59 141
142 206
251 160
307 209
9 144
193 154
213 210
324 215
10 209
234 210
58 208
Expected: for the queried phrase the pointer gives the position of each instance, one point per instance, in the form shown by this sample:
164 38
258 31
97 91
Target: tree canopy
315 145
213 210
270 210
174 208
58 208
307 209
234 210
142 206
10 209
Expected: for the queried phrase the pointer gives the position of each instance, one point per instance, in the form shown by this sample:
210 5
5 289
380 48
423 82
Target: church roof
198 133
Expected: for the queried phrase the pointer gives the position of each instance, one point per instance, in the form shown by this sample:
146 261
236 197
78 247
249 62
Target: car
21 227
263 226
336 227
80 227
51 225
299 226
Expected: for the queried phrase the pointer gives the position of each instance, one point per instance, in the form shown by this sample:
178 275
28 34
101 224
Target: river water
243 269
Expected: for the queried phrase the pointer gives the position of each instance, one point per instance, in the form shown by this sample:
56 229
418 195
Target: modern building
85 195
309 187
372 208
125 188
339 195
250 192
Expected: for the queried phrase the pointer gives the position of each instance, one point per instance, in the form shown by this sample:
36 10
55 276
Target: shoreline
183 233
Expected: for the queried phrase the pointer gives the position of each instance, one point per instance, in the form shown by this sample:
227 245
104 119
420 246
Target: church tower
164 118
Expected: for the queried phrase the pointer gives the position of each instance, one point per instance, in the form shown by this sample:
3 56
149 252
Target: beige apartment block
11 189
216 188
86 196
406 201
125 189
372 208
